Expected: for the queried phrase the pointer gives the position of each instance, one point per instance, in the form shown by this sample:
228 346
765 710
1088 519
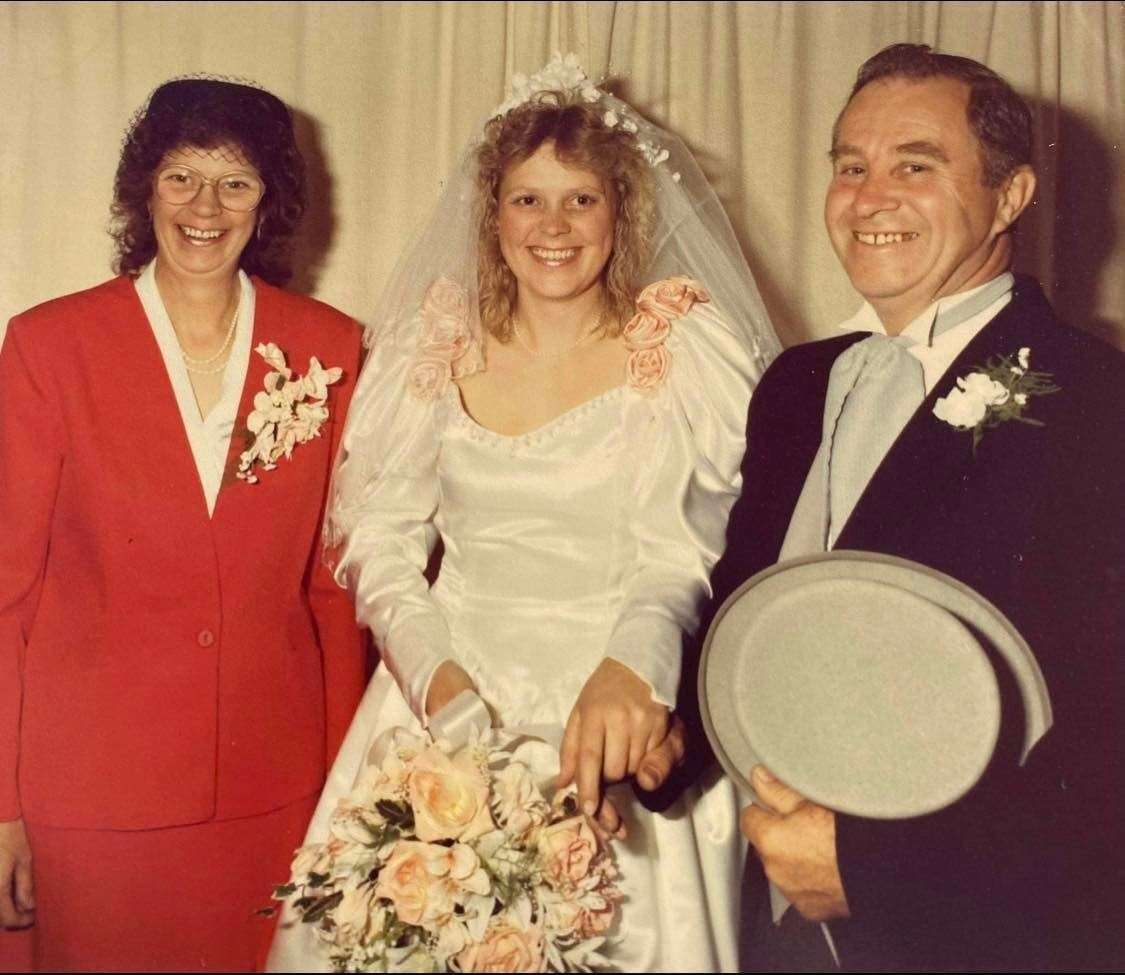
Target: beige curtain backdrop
386 94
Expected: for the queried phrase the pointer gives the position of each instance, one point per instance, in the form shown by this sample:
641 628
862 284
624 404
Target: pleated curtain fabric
386 93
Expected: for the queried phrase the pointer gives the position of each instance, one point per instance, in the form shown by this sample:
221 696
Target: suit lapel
267 315
783 444
167 449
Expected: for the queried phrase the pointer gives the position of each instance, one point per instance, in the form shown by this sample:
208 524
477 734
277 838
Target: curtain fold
385 94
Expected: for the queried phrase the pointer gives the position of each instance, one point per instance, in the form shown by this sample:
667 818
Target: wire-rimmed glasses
237 190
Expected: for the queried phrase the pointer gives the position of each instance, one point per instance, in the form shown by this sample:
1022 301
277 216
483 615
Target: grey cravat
875 387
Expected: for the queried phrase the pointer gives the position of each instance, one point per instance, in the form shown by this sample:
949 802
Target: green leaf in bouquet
322 907
281 891
398 814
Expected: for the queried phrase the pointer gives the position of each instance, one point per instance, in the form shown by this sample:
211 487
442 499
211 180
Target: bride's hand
614 723
448 681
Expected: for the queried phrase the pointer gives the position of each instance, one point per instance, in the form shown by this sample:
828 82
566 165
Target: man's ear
1015 195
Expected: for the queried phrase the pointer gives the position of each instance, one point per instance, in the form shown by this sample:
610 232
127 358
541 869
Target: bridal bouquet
452 859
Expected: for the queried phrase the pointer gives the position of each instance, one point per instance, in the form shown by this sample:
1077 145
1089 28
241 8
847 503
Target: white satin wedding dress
590 536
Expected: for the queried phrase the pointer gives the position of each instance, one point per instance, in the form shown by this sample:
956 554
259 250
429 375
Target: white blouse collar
209 437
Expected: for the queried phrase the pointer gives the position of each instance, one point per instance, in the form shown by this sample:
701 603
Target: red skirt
181 899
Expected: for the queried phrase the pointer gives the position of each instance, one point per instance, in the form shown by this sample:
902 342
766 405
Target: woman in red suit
176 664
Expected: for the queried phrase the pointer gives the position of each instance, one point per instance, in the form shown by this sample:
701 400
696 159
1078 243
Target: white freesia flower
1024 357
274 356
357 914
1021 399
317 380
961 409
518 806
610 118
287 412
313 858
980 386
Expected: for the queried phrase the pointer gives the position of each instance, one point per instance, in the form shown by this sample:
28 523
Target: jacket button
205 638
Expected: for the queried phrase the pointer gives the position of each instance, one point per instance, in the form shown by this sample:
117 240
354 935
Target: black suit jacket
1026 871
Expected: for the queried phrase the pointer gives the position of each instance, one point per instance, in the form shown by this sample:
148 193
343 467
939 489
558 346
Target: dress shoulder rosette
646 333
447 348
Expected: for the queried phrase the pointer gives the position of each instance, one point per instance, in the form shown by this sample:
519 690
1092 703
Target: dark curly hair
206 114
998 117
580 138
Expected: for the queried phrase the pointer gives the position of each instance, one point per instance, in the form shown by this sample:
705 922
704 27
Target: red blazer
160 667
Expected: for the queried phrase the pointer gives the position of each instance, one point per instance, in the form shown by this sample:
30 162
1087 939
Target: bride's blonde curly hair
582 139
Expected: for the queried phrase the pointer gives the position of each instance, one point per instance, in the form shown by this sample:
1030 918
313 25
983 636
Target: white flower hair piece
566 74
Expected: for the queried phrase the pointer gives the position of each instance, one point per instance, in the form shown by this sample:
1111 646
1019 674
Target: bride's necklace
215 363
583 338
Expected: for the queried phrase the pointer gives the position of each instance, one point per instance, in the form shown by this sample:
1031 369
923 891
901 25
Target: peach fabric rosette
646 333
447 349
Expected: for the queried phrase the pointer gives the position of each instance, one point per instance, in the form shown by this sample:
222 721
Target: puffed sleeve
32 447
384 514
689 438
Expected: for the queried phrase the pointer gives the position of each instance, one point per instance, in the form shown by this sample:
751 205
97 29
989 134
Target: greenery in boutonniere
999 391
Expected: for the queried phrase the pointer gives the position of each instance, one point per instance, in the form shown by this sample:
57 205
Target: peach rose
425 881
449 797
671 297
506 947
567 849
445 298
420 895
645 330
429 378
646 369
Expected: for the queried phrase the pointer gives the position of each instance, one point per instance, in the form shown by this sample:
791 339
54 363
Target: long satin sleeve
32 448
390 464
689 440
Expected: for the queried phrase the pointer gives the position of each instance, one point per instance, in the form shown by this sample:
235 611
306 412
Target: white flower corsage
994 394
290 411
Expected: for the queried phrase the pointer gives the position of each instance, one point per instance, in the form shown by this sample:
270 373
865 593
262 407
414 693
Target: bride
557 391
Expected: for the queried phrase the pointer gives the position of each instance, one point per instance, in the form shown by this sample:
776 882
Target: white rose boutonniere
289 411
994 394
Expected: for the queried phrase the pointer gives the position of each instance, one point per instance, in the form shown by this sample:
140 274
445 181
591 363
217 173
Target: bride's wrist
448 681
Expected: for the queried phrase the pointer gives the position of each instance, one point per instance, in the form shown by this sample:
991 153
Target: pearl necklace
206 367
584 337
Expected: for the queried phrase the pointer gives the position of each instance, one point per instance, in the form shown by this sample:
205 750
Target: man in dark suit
931 169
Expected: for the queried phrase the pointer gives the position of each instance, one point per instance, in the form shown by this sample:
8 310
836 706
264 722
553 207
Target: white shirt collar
920 329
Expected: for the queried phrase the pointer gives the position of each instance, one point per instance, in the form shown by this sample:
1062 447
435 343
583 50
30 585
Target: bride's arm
689 439
387 497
